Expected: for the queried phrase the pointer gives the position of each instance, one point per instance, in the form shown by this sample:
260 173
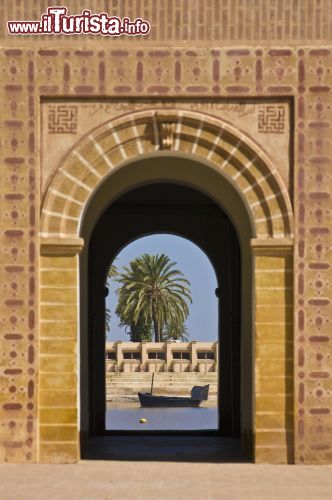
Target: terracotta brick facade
258 49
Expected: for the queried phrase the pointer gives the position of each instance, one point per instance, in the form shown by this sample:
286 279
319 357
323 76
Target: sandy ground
164 480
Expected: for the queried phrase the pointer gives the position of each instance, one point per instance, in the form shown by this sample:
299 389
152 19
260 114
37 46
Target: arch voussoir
147 132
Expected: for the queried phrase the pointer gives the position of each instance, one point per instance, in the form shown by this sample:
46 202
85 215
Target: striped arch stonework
140 133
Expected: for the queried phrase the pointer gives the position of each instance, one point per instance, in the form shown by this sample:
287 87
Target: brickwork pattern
57 406
19 259
313 367
274 402
304 73
199 21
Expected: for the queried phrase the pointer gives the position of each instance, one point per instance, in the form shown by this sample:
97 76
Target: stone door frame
228 155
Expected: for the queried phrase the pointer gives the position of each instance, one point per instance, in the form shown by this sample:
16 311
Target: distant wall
177 357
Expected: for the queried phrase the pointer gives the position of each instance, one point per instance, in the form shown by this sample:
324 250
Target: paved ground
160 480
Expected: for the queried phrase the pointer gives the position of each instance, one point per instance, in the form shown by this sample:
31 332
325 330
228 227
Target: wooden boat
151 400
198 394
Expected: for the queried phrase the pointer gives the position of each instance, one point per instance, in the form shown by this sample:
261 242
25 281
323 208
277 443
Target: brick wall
303 73
200 22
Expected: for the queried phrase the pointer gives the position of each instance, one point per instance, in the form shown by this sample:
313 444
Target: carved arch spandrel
201 136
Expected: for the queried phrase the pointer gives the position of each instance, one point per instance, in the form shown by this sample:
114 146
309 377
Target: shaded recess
183 211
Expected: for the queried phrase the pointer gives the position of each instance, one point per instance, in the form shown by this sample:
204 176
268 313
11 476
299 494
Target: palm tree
112 274
151 288
139 331
113 271
107 320
175 332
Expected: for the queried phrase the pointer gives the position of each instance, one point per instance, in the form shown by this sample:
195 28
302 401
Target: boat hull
149 400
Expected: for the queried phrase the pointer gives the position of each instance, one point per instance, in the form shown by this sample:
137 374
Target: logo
57 21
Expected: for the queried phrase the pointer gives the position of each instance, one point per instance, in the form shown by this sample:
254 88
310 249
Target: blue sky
202 322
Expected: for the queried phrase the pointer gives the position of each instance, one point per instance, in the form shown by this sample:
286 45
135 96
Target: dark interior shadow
209 449
172 209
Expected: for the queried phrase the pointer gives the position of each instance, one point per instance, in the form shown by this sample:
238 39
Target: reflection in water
161 418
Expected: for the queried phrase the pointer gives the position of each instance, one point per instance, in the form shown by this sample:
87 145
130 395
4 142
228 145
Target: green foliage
140 331
113 271
175 332
112 274
154 291
107 319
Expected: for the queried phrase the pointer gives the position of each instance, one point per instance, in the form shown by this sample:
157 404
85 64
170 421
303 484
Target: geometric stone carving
271 119
62 119
166 128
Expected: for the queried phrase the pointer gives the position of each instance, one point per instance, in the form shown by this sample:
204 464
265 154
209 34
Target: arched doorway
211 157
176 209
177 218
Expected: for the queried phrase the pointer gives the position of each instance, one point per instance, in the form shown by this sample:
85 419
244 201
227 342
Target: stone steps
145 384
161 380
163 383
161 376
119 384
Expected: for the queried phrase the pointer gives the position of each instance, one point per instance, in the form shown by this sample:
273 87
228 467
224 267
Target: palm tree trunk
155 326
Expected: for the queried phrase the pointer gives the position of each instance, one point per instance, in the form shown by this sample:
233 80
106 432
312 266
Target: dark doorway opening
180 210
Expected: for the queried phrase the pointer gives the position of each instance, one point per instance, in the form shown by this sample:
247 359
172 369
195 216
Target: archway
210 156
183 211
